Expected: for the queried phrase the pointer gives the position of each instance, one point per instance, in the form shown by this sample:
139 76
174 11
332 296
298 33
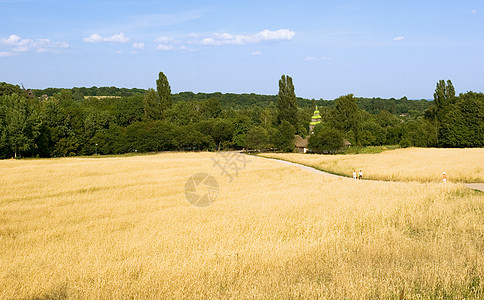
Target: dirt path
310 169
474 186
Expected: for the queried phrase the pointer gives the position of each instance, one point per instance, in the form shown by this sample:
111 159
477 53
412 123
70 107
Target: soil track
474 186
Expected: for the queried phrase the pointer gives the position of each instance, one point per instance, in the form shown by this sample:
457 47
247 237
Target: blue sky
330 48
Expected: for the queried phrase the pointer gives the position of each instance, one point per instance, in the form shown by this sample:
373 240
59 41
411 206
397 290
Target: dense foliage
240 101
70 122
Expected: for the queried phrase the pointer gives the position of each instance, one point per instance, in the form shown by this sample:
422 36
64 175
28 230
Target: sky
330 48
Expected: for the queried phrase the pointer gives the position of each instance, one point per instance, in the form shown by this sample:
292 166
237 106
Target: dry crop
122 228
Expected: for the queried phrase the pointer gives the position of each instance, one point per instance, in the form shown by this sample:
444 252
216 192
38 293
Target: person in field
444 177
354 174
360 175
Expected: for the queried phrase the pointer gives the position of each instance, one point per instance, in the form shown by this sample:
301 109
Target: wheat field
409 164
122 227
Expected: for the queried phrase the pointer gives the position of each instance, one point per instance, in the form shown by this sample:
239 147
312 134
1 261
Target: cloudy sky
330 48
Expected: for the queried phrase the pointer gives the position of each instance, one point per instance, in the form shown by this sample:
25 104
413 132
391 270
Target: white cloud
208 41
6 54
321 58
18 44
165 40
218 39
115 38
265 35
165 47
14 40
167 43
399 38
185 48
474 11
281 34
93 38
139 45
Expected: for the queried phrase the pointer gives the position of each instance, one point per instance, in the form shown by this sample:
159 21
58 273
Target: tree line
450 121
239 101
66 124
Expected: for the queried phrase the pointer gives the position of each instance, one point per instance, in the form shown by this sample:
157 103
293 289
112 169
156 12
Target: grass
368 149
409 164
121 227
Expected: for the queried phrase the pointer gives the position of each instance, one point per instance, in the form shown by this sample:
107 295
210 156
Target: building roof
316 118
299 142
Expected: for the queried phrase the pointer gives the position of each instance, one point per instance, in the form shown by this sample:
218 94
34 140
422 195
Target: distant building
30 93
300 144
315 120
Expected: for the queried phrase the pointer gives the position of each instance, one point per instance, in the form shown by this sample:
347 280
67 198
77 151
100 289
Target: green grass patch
369 149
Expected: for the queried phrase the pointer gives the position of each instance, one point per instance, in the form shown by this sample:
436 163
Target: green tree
95 122
77 94
372 133
220 130
257 138
67 146
18 125
241 124
347 116
266 117
326 140
9 89
185 138
128 110
463 125
65 97
55 125
444 95
419 133
182 113
444 98
283 137
286 101
152 106
211 108
156 103
164 91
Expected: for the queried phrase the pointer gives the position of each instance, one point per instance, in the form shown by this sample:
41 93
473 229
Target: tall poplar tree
286 101
156 103
444 98
164 91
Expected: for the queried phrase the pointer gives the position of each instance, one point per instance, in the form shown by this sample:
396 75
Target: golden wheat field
410 164
122 227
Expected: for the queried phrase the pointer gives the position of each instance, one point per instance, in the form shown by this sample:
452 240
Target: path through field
474 186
